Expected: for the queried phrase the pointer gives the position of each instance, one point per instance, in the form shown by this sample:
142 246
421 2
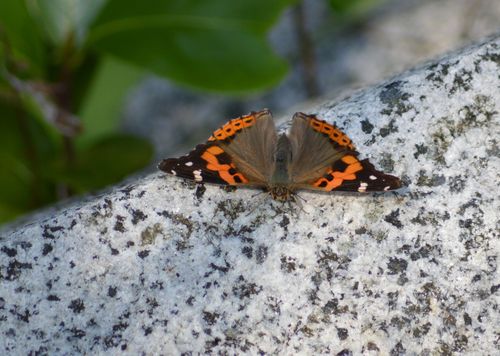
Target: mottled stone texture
166 266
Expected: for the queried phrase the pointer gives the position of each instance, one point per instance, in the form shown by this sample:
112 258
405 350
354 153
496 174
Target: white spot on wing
189 164
372 177
362 187
197 175
387 188
173 172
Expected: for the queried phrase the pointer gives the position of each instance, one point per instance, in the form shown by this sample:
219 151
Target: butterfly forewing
326 160
252 149
237 153
313 152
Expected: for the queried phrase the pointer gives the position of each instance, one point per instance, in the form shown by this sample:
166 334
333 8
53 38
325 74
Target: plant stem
307 54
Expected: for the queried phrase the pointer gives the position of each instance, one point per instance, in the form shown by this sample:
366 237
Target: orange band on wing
333 133
334 179
227 172
232 127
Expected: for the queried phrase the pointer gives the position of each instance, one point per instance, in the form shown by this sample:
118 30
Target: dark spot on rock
439 70
467 319
402 279
476 278
143 254
386 162
395 99
371 346
344 352
432 181
49 230
112 292
462 80
491 56
393 219
113 340
122 325
284 222
114 251
200 191
190 300
243 289
130 243
223 269
14 270
398 350
138 215
77 306
147 330
420 149
11 252
396 265
119 224
210 318
366 126
288 264
148 235
247 251
494 288
390 128
342 333
77 333
53 298
47 248
457 183
24 316
362 230
261 254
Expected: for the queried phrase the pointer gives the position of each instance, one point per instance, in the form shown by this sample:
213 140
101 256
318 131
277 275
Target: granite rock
165 266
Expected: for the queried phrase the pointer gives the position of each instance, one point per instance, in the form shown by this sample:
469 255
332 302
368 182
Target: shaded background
92 91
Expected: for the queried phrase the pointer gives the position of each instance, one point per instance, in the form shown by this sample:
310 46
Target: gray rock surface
164 266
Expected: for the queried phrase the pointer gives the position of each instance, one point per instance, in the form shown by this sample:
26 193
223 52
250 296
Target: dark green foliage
65 67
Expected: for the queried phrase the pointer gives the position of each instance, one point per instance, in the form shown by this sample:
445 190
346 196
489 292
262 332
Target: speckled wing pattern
240 152
243 152
332 154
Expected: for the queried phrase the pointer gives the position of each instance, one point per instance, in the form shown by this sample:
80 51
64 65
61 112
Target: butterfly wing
324 158
240 152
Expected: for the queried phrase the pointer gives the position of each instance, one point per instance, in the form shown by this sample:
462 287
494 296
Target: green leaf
108 161
21 36
216 45
64 19
26 153
100 110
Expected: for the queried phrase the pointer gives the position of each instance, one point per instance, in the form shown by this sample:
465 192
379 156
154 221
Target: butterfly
247 151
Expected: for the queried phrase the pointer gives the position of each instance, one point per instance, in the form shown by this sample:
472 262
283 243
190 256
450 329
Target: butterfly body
248 151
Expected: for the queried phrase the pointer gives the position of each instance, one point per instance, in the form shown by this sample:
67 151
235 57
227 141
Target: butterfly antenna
256 195
298 202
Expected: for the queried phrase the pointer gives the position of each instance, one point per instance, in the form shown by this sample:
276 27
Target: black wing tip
165 165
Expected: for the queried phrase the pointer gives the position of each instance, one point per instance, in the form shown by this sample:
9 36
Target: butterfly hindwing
352 175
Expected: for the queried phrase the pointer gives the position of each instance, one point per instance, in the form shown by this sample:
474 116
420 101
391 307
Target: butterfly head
281 192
